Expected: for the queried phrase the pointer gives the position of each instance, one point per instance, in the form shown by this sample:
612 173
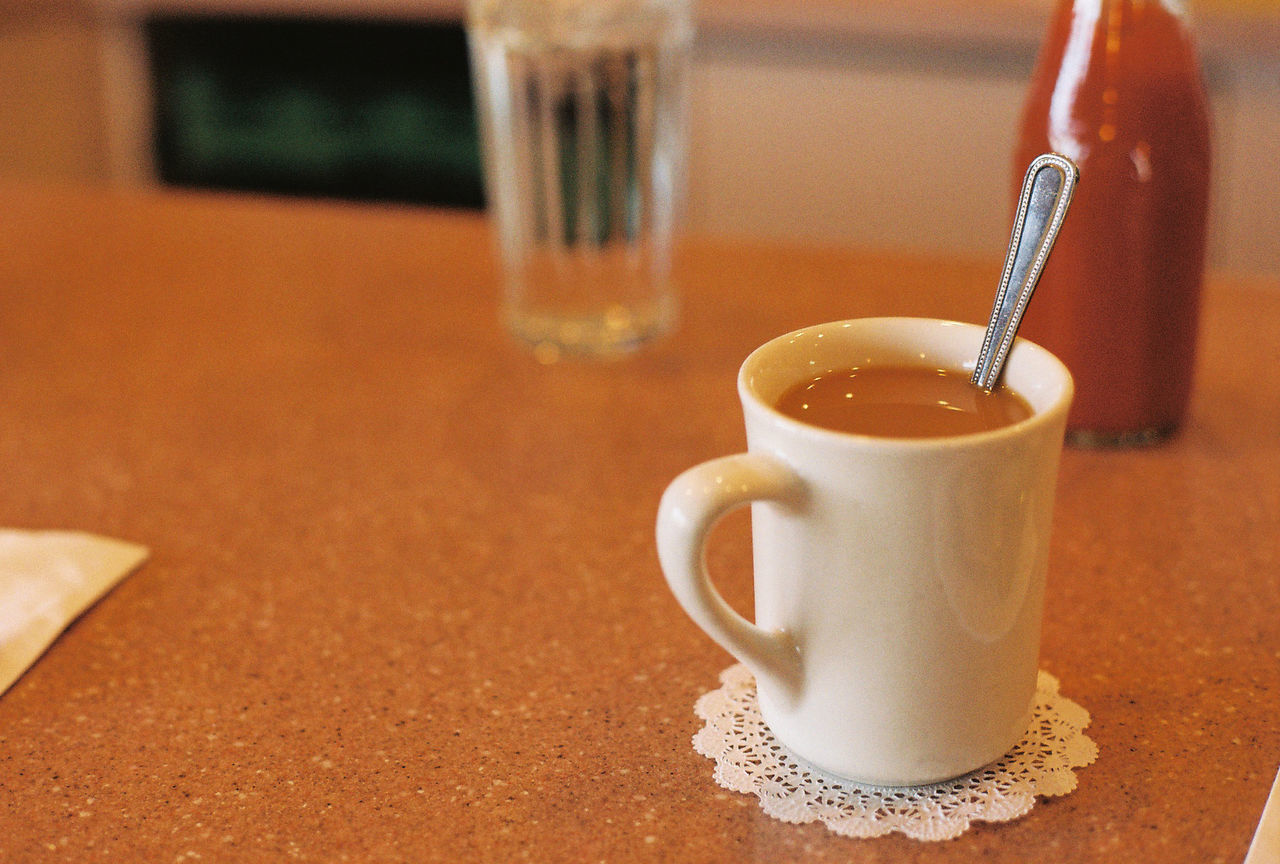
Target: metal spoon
1046 194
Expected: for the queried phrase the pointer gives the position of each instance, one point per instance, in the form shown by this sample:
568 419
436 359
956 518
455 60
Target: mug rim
1051 412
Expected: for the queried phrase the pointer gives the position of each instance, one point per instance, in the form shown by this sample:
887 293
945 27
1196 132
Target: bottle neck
1103 57
1094 11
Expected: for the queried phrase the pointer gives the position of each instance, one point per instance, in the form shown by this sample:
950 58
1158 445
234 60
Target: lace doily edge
1077 750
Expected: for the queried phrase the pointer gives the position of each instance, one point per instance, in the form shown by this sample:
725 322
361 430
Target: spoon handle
1046 193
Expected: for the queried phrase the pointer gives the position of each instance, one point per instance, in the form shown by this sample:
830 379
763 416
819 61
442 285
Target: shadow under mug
899 583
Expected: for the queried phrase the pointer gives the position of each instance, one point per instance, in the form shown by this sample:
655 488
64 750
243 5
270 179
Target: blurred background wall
885 122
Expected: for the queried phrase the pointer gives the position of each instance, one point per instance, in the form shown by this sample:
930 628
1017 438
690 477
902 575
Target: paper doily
750 760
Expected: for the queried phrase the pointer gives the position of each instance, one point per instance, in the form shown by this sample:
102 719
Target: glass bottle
1118 89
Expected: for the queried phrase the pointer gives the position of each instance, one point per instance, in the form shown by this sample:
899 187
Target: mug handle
692 504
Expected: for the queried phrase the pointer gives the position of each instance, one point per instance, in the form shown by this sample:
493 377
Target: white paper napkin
1265 848
47 579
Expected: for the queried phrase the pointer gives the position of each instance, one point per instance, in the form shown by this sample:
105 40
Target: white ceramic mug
899 583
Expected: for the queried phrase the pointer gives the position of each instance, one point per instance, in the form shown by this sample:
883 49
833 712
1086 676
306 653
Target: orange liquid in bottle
1118 89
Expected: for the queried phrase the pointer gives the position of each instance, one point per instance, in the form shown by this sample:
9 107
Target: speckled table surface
403 603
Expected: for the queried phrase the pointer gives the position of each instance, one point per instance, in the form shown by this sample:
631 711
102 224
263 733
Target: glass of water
583 109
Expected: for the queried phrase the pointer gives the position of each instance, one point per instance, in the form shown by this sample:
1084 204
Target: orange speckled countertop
403 603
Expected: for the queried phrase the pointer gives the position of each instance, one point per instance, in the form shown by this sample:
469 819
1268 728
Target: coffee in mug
899 581
901 402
